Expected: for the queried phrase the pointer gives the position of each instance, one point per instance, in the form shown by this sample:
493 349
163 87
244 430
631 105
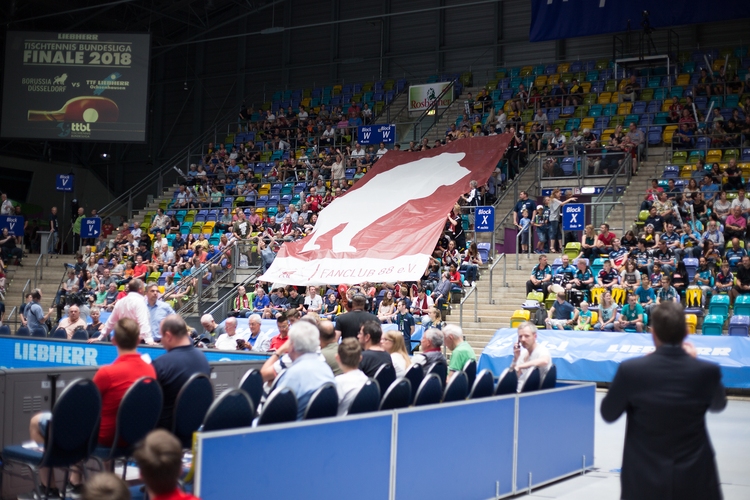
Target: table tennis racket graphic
80 109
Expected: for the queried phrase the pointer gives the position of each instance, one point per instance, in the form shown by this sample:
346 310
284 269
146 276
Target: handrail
612 184
23 290
39 268
197 272
498 258
10 315
436 113
518 245
472 290
514 185
221 302
202 292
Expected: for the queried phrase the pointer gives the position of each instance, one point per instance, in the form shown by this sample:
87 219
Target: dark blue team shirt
173 369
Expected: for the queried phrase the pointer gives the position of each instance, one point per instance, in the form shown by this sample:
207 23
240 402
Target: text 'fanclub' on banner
385 228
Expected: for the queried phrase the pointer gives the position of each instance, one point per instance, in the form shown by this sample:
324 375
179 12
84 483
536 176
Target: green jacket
77 225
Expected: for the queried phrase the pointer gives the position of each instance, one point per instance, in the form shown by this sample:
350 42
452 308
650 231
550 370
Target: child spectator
704 278
667 292
584 317
159 458
656 276
523 227
105 486
724 280
541 226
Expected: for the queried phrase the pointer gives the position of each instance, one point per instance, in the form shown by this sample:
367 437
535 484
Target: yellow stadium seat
586 87
605 97
668 133
606 135
683 79
692 322
519 316
264 189
713 156
624 108
615 97
563 68
553 79
540 81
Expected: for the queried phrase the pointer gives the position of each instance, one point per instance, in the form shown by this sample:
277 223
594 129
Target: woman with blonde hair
435 321
393 343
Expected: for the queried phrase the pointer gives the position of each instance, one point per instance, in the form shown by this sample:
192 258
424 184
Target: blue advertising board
64 182
13 223
595 356
375 134
30 352
91 227
484 220
573 217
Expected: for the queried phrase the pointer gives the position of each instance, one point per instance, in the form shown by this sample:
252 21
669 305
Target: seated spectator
583 278
282 323
8 248
308 371
351 379
631 316
704 279
279 302
724 279
735 253
432 341
562 314
387 308
607 313
373 354
541 277
159 460
96 327
313 301
393 343
680 280
177 365
105 486
529 354
618 256
735 225
461 351
608 277
665 257
742 279
73 322
227 341
683 137
646 295
584 317
667 293
470 263
261 303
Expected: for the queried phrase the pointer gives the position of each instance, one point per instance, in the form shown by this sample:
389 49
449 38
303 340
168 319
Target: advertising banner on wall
75 86
422 96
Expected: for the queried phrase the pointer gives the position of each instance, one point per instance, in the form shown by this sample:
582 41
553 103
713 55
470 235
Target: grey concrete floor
730 434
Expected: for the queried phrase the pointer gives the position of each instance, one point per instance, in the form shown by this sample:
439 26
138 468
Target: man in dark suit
668 454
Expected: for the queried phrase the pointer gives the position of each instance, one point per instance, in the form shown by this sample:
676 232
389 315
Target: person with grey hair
211 330
308 371
228 341
440 295
432 341
528 354
461 350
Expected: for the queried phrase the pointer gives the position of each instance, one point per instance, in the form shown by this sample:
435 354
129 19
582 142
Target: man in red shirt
159 459
282 323
604 240
314 200
114 380
140 269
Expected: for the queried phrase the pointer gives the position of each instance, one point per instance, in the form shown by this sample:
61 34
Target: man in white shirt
352 379
358 152
7 206
743 202
228 341
137 232
132 306
313 301
527 354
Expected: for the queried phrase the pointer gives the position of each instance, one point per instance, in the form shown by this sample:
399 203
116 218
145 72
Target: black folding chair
385 375
367 399
508 383
190 408
281 406
137 415
414 375
398 395
71 435
60 333
430 391
550 378
440 369
39 332
4 330
457 388
23 331
323 403
484 385
80 334
252 384
231 410
533 381
470 369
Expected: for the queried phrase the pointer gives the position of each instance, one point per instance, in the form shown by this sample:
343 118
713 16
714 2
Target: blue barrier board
332 458
30 352
595 356
479 458
555 432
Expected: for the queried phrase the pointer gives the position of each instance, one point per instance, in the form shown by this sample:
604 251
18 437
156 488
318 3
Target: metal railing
10 319
498 258
221 303
472 291
26 289
528 245
611 188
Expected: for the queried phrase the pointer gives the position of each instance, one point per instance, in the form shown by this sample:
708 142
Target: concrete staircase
634 193
506 299
47 280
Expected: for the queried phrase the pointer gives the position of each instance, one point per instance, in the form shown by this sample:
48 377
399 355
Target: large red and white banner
385 228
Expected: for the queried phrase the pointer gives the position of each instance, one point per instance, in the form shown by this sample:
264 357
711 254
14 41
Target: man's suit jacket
668 454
